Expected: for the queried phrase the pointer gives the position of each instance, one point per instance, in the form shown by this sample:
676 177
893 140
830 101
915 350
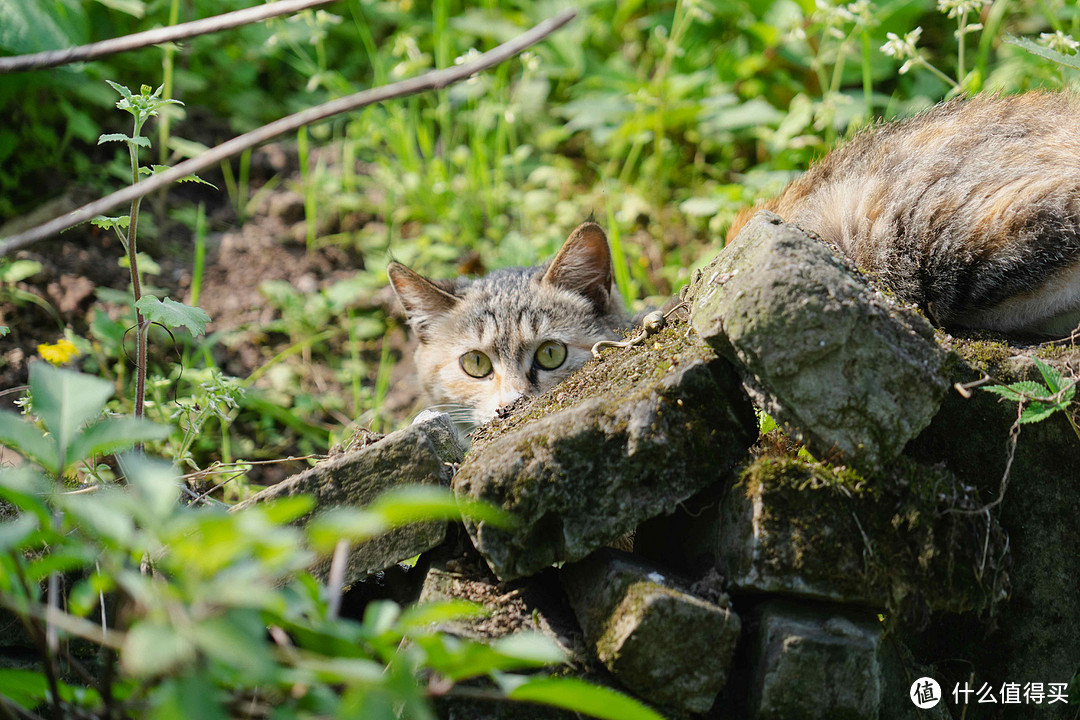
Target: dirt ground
239 259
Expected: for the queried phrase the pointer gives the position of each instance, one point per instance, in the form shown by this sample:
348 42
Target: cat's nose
508 397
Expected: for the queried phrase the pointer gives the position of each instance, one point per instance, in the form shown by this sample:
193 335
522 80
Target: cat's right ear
423 300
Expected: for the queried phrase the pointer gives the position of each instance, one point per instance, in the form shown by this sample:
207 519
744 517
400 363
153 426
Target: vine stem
433 80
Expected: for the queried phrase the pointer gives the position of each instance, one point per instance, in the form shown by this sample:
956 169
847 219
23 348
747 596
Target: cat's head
484 343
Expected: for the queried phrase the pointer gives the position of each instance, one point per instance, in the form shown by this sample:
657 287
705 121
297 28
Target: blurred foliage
661 118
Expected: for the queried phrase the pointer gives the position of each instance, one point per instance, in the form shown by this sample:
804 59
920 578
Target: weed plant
662 119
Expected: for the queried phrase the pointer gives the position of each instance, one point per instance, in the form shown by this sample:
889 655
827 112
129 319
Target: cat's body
970 210
518 331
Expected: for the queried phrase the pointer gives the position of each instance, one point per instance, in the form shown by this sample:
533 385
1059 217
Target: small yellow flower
59 353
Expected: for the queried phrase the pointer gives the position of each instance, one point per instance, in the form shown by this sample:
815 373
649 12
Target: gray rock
833 361
1035 636
416 455
666 645
622 440
803 528
815 664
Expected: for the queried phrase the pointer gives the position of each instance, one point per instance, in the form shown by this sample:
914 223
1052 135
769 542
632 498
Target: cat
970 210
484 343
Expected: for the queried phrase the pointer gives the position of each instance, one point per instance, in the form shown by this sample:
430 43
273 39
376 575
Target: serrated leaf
173 314
112 137
4 330
580 696
1050 375
108 223
155 169
1019 391
1038 411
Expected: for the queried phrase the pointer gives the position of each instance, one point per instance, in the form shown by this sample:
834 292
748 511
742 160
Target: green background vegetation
663 119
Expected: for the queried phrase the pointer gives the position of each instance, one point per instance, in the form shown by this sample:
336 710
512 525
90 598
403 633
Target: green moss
891 534
617 374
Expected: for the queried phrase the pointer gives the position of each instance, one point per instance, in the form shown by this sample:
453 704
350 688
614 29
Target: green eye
475 363
551 354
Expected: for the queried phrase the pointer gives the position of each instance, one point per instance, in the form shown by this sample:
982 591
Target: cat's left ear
423 300
583 265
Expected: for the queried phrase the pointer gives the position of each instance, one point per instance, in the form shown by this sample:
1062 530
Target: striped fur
507 315
970 210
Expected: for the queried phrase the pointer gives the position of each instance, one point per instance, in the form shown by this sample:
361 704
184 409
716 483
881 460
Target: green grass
661 119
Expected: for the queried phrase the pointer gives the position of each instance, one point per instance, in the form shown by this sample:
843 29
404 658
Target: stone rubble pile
811 571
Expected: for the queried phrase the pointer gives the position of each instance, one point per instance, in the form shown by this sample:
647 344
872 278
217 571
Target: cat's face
484 343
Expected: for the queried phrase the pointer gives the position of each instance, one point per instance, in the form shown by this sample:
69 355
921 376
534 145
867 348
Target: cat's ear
422 299
583 265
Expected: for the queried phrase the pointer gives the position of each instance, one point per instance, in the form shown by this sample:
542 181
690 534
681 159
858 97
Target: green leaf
1050 375
530 647
65 400
154 484
428 614
124 92
4 330
1038 411
152 648
21 436
416 503
19 270
1043 52
25 488
1019 391
579 696
155 169
173 314
24 687
28 27
135 8
105 513
15 532
286 509
108 223
111 434
121 137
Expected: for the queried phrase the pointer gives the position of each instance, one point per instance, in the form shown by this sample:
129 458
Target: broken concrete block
815 664
800 527
667 646
622 440
835 362
417 454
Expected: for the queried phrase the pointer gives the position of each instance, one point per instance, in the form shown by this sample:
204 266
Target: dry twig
434 80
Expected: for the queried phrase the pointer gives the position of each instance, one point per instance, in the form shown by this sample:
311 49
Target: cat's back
958 209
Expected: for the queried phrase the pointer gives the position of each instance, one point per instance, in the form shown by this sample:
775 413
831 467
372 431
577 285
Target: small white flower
902 48
832 15
1059 41
960 7
529 61
470 55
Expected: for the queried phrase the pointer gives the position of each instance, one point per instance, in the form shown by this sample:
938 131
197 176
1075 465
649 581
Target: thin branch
53 58
68 623
434 80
